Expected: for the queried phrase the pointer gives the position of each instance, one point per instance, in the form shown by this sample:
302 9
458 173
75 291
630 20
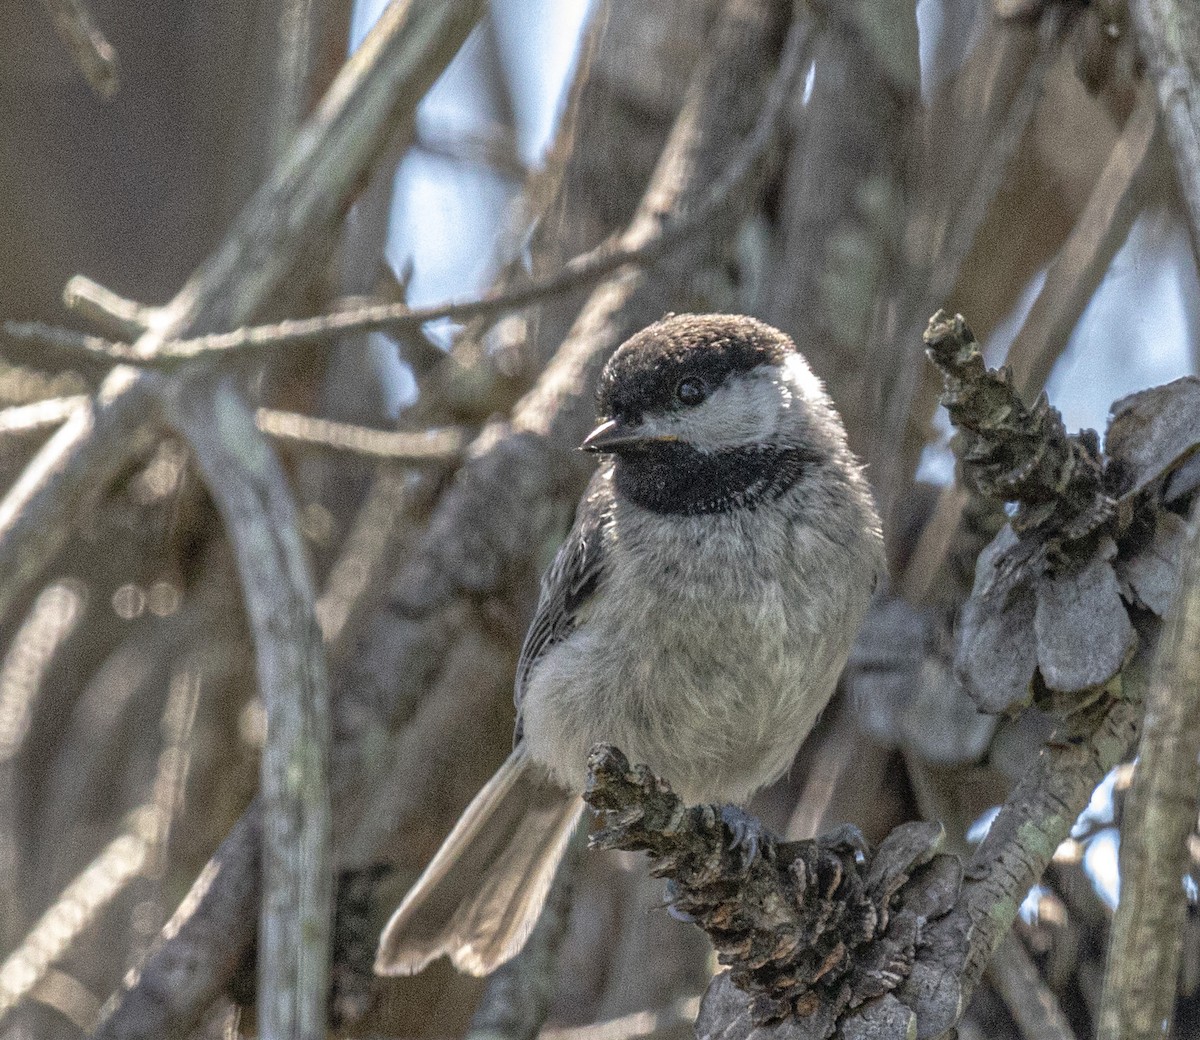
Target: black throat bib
679 480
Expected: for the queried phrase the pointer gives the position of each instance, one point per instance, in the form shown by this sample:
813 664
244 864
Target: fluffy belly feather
712 683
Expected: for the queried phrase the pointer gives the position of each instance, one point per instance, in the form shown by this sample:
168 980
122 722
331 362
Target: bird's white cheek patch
741 412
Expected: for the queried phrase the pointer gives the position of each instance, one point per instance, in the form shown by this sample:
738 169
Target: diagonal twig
431 447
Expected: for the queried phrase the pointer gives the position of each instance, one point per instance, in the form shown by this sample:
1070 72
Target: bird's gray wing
567 586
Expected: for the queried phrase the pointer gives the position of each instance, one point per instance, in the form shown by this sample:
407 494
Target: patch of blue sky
1100 864
446 214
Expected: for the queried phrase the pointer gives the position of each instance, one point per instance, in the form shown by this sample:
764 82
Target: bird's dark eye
691 391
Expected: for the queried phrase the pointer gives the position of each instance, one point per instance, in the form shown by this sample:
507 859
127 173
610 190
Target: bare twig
431 447
40 415
1168 33
285 221
251 493
105 308
1159 817
94 55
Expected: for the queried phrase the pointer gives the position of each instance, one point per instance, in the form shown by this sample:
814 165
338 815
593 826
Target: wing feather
569 583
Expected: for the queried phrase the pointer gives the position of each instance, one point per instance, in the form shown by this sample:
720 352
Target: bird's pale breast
708 653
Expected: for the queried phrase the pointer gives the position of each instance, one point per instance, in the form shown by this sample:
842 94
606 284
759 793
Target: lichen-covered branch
251 493
1034 821
1159 816
750 905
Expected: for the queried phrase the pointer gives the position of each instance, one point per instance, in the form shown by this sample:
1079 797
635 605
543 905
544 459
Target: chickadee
697 616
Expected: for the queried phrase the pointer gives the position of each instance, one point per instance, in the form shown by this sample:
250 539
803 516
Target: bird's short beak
613 435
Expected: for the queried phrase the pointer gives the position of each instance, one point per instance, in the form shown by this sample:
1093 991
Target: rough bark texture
1160 815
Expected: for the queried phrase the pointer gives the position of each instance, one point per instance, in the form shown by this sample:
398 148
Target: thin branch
93 54
639 248
40 415
432 447
1168 33
1159 818
105 308
1086 255
251 493
69 340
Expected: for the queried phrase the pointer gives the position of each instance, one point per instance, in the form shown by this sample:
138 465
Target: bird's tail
481 895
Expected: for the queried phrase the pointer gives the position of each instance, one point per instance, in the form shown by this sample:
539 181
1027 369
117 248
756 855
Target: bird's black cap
642 375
